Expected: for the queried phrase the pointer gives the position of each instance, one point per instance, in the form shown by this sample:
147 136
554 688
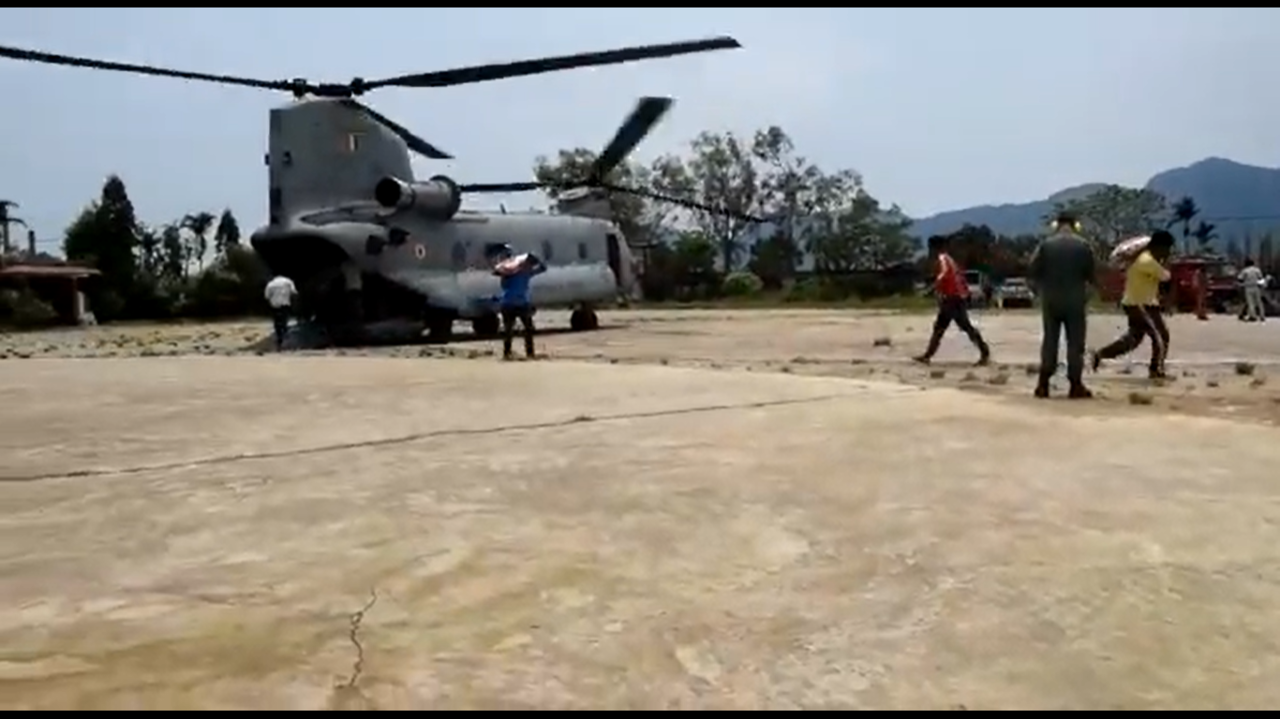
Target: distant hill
1238 198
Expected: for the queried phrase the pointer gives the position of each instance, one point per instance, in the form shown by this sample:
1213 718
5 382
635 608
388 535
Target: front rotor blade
499 71
415 143
52 59
647 114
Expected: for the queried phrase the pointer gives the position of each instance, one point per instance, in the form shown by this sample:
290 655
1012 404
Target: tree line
827 216
193 266
1114 213
825 236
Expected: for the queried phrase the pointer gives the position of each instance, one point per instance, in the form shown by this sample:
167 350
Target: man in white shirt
1251 282
280 293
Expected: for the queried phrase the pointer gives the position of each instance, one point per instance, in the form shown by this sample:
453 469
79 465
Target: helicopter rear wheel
486 325
440 328
583 319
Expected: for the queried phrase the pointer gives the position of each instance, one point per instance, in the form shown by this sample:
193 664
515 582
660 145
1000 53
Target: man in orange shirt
953 304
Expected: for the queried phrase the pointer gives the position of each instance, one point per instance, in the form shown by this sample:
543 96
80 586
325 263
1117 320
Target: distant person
515 302
1141 305
952 292
1252 283
280 294
1061 272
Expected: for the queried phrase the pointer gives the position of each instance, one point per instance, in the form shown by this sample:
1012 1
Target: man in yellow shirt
1141 305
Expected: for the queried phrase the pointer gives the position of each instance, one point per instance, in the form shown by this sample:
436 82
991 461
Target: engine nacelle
438 198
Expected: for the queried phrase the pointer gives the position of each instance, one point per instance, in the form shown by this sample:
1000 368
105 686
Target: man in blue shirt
515 302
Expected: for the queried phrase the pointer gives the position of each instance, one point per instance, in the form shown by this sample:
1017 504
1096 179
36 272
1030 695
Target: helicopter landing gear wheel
486 325
584 319
440 329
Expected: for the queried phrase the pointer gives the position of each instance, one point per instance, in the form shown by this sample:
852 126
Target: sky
938 109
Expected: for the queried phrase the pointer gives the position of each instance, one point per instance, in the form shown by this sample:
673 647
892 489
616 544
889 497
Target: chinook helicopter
378 255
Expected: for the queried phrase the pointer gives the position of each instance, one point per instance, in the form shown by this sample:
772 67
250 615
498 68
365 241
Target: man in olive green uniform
1062 270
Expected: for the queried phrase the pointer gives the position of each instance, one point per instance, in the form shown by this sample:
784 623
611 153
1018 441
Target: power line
1229 218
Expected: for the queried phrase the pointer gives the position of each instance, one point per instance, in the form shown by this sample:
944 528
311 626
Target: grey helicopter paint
415 233
368 244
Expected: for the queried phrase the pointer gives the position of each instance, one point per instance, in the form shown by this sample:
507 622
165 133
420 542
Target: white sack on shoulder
513 265
1127 250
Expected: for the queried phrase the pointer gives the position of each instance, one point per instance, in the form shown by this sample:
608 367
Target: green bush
741 284
24 309
816 289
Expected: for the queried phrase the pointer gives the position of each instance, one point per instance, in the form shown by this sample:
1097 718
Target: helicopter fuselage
365 242
354 266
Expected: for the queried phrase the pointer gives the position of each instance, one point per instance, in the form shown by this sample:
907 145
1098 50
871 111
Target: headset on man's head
1074 225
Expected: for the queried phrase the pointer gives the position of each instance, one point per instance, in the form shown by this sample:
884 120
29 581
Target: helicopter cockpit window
546 250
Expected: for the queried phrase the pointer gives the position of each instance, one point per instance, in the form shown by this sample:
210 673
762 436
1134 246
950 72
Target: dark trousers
280 321
954 309
511 313
1073 322
1144 322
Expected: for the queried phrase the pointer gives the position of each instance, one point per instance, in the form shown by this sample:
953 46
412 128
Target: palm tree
6 220
199 225
1184 211
1205 233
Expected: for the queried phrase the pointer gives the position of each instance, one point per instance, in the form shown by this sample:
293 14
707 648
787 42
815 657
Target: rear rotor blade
634 129
415 143
691 204
53 59
499 71
647 194
503 187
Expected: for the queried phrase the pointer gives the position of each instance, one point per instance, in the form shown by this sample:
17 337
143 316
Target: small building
57 282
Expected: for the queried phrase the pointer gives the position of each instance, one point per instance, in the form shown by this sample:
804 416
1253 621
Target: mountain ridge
1240 199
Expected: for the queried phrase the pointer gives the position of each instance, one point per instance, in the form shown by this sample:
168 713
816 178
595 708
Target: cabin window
459 256
546 250
582 250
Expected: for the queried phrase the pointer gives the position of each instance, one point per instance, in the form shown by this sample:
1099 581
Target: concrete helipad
352 532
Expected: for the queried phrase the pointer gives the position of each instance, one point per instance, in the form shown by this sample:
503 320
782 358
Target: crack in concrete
420 436
353 634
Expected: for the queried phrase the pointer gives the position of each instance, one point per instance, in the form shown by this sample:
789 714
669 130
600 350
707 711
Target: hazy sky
938 109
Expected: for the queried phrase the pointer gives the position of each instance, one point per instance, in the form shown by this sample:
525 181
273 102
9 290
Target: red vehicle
1222 293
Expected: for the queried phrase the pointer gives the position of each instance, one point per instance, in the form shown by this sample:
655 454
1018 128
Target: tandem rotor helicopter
376 253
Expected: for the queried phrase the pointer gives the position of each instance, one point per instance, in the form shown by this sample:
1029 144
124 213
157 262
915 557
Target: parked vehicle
979 288
1015 292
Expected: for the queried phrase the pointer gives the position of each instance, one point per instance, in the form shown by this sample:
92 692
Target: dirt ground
1219 367
427 527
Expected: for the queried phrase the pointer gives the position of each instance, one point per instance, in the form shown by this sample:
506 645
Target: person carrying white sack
516 303
1252 282
1141 303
